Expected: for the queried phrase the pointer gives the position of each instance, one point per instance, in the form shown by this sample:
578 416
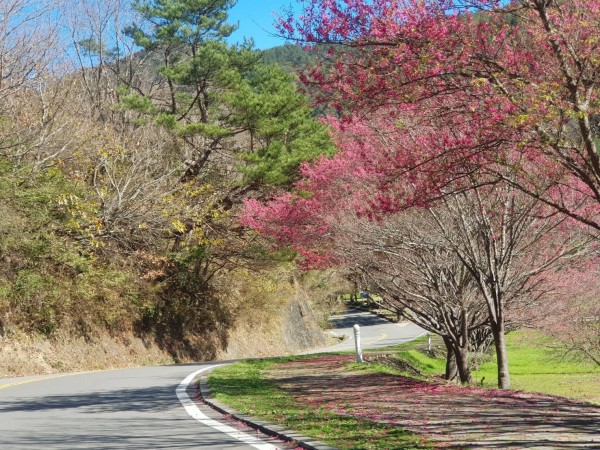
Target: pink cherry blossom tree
517 80
472 107
573 317
405 260
505 240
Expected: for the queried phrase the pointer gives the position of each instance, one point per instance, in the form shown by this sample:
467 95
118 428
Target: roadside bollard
359 357
428 343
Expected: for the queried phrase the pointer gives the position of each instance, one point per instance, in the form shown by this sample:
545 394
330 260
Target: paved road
375 332
142 408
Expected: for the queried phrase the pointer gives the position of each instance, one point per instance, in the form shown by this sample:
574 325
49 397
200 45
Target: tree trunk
451 367
501 356
462 350
195 165
462 363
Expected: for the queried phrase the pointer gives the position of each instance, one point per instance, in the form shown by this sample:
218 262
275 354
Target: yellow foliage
178 225
82 218
521 119
479 81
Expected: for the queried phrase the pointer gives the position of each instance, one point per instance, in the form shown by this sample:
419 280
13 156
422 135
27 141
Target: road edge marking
192 409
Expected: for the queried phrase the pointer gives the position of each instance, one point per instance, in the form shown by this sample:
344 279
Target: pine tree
213 94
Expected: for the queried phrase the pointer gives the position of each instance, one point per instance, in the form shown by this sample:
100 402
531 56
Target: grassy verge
242 387
534 367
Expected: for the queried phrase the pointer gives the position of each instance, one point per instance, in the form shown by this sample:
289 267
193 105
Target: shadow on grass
243 388
461 416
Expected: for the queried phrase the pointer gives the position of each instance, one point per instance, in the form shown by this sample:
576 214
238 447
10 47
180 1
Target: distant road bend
144 408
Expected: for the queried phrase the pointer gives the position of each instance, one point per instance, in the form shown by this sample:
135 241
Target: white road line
198 415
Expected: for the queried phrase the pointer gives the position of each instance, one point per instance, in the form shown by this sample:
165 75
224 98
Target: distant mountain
290 56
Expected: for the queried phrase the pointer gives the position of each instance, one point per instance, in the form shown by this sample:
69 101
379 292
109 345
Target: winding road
144 408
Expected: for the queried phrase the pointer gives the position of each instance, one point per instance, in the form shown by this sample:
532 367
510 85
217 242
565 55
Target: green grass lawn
534 366
242 387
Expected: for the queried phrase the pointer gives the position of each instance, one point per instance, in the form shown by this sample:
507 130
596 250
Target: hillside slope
64 307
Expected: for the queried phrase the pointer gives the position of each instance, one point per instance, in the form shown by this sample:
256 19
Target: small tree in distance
574 317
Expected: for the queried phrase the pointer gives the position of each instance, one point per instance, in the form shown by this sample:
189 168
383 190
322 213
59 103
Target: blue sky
256 19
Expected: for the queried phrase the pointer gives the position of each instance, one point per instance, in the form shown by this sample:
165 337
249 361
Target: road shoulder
260 425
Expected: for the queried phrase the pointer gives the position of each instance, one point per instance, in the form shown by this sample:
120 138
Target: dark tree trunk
195 165
462 364
501 356
451 367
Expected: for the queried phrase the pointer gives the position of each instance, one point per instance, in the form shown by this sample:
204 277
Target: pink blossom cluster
432 95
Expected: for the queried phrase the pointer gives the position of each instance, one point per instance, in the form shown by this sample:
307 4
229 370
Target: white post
428 343
359 357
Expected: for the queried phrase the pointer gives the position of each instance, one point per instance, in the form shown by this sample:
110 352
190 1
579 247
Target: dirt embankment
29 355
285 321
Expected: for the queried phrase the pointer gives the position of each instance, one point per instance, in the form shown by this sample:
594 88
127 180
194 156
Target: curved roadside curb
264 427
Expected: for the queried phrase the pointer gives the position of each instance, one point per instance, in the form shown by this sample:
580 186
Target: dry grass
29 355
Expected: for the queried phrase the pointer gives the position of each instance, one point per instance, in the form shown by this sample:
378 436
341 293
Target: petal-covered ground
451 415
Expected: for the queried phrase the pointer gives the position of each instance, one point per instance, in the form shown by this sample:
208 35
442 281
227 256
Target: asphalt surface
140 408
375 332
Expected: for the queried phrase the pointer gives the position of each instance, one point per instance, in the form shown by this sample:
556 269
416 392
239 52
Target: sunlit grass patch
242 387
536 367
